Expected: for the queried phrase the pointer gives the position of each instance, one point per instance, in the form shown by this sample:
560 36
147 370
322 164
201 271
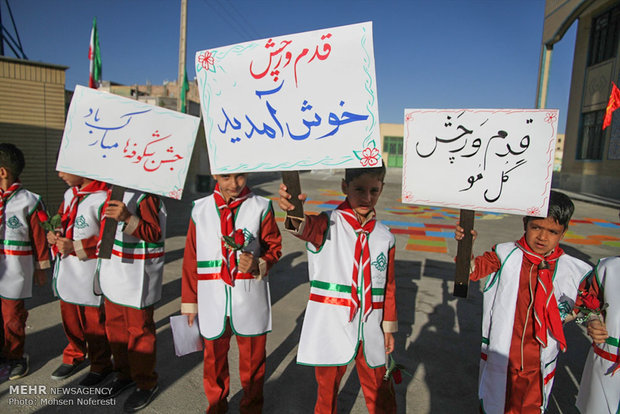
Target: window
592 142
604 38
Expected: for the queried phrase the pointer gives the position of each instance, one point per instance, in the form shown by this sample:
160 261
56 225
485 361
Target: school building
32 116
591 156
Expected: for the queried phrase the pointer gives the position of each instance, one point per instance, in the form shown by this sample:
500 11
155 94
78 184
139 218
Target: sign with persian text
498 160
128 143
295 102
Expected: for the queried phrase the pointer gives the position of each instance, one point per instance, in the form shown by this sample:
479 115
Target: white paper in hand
186 338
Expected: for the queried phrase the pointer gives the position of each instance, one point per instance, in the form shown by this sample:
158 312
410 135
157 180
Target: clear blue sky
428 54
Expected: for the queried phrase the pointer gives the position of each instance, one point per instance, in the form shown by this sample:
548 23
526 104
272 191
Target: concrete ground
438 339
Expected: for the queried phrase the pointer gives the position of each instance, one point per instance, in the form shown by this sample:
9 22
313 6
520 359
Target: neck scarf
4 196
227 226
546 312
69 216
361 257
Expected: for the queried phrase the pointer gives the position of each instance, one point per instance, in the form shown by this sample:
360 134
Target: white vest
599 391
133 275
247 304
74 278
17 259
499 305
327 336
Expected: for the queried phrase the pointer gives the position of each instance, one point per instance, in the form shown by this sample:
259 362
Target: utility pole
182 51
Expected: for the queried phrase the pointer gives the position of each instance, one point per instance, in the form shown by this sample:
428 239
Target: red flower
590 301
239 237
43 217
206 60
397 376
370 156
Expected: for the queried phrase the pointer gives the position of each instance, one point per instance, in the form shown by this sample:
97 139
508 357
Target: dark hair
561 208
352 173
12 159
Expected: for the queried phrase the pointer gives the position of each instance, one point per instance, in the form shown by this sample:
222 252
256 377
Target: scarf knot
70 214
5 195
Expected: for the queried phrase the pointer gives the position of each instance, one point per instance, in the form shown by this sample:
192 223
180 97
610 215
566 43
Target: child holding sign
83 318
599 391
351 313
232 242
131 282
531 289
23 255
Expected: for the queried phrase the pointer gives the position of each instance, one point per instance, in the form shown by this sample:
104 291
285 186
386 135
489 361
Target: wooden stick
293 187
463 254
109 229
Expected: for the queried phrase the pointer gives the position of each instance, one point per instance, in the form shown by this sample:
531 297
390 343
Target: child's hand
117 210
597 331
389 342
190 318
52 238
65 246
247 263
40 277
284 202
459 233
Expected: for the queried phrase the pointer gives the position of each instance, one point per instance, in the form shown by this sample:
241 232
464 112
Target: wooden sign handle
109 228
463 254
293 187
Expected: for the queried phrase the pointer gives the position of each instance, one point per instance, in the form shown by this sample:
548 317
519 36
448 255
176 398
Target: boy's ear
4 173
525 223
344 187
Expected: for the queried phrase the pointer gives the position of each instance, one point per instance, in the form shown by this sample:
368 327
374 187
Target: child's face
543 235
71 179
231 185
363 193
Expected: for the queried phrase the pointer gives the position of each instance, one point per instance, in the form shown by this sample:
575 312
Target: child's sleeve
485 265
189 279
312 229
390 318
271 243
39 240
145 225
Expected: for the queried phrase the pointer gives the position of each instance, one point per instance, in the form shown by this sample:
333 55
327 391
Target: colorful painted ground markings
423 237
592 239
428 212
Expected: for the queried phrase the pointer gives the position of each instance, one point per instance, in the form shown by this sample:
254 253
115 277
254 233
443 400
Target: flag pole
182 53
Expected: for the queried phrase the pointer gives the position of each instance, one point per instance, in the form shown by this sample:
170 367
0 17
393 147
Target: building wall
32 116
590 89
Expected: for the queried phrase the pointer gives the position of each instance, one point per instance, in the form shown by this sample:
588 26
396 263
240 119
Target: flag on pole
184 90
612 105
94 56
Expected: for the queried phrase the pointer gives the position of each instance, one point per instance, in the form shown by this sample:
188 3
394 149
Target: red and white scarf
4 196
546 312
361 257
227 225
69 216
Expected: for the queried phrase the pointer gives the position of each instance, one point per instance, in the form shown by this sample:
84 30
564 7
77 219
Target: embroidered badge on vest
249 237
380 263
565 309
13 223
80 223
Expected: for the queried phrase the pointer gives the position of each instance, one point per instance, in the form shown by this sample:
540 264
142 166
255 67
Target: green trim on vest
209 263
485 340
15 243
612 341
335 287
138 245
497 275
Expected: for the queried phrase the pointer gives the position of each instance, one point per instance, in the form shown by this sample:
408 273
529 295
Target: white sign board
302 101
498 160
128 143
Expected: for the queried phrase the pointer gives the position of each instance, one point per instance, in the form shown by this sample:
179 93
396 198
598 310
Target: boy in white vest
131 282
83 317
599 391
351 312
24 254
224 283
531 288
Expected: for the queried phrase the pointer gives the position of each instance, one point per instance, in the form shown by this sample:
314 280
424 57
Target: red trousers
14 315
85 330
523 392
379 394
216 378
133 340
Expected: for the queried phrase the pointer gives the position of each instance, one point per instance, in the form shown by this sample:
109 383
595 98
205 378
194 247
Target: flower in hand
236 241
53 224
